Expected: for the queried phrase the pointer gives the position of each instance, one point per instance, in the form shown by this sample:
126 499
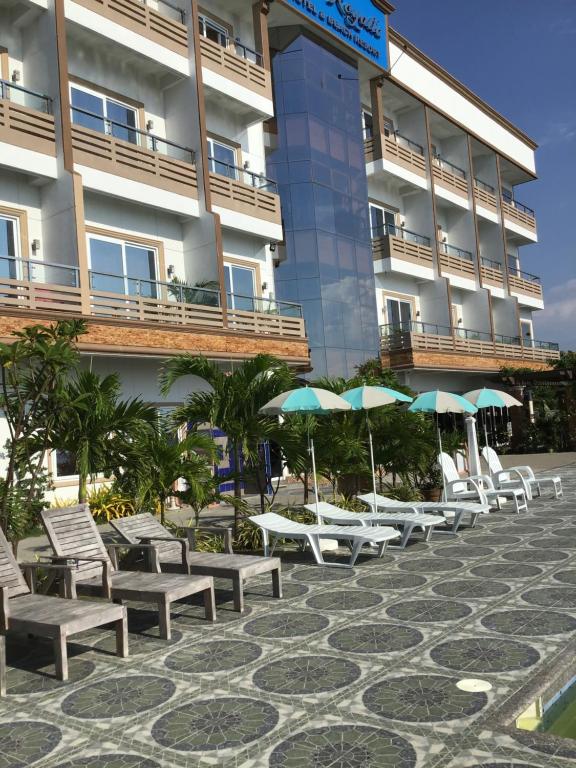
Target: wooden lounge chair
177 554
74 538
25 613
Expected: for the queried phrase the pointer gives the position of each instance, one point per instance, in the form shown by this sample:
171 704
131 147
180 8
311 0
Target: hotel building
235 177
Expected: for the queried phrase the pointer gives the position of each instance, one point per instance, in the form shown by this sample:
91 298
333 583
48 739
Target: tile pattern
352 669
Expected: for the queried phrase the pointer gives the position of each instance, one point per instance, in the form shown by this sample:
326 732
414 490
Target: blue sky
520 56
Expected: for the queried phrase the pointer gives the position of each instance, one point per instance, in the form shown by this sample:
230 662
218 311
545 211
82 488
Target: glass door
527 334
382 221
8 248
399 314
240 287
211 30
222 159
124 268
99 113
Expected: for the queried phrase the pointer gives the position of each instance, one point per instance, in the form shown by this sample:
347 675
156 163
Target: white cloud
557 321
557 133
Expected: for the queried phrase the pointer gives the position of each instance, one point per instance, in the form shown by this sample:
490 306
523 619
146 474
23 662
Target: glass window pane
242 285
376 220
393 311
227 278
7 248
106 266
65 464
223 159
83 103
405 314
141 271
125 116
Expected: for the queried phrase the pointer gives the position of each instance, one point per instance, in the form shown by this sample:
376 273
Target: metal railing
235 44
446 165
35 271
167 9
405 234
490 263
256 180
528 276
131 134
452 250
25 97
263 305
406 142
518 206
484 186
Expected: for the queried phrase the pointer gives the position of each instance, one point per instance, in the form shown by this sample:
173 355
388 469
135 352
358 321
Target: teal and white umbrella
491 398
442 402
308 400
366 397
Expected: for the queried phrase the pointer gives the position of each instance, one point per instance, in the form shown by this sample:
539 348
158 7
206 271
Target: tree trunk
82 489
237 487
162 510
306 489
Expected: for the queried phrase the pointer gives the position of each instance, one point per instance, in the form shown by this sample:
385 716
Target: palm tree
233 406
96 427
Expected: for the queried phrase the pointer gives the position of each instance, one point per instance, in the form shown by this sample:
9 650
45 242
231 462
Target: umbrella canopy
305 400
366 397
491 398
442 402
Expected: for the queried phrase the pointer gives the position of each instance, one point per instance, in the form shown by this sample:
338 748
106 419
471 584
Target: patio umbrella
310 400
366 397
441 402
491 398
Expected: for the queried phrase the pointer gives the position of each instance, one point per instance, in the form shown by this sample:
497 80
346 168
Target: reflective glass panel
106 265
7 247
141 271
87 110
222 159
123 118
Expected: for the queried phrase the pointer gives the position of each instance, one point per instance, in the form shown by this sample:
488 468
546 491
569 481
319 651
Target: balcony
54 290
450 178
390 242
244 198
526 287
399 151
456 261
425 345
112 148
519 218
26 122
237 71
485 196
163 24
491 273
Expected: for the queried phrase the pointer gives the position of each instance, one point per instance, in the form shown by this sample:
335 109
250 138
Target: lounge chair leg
122 636
382 548
277 582
164 620
355 552
265 543
2 665
61 654
428 533
238 591
406 533
210 604
314 542
474 519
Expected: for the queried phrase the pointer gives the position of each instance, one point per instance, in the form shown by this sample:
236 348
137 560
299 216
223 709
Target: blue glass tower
320 169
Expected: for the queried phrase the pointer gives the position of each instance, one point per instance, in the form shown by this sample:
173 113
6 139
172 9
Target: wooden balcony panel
391 246
121 158
242 198
450 181
152 310
453 265
485 199
396 153
519 217
525 287
144 20
369 150
225 62
27 128
265 324
491 276
21 294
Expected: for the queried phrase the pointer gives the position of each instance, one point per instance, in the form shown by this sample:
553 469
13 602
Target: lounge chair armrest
184 545
480 480
4 609
150 552
524 470
104 562
215 530
31 568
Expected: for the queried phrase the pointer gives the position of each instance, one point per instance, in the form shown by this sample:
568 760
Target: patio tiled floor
352 669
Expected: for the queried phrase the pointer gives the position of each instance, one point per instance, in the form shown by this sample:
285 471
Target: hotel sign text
358 23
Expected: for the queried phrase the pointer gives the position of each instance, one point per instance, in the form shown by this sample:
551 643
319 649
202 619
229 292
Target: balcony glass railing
131 135
256 180
491 264
446 165
216 34
404 234
484 186
524 275
393 329
404 141
34 271
25 97
452 250
167 9
507 197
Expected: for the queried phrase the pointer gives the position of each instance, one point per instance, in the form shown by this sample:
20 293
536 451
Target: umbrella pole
314 473
372 459
440 448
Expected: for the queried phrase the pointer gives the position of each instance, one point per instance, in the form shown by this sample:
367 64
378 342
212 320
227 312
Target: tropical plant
34 370
249 537
233 405
203 292
106 504
97 427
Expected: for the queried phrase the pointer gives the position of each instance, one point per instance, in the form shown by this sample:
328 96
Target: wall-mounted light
460 321
403 223
246 164
35 245
418 313
170 270
149 125
272 247
264 286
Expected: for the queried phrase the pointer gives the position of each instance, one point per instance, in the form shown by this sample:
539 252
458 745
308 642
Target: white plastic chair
455 509
479 487
525 472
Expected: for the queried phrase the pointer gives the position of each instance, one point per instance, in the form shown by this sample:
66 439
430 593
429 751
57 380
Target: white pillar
472 439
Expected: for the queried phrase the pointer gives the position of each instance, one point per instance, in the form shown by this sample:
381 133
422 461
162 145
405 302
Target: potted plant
430 483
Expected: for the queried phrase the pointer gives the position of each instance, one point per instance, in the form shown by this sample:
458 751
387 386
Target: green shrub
403 492
106 504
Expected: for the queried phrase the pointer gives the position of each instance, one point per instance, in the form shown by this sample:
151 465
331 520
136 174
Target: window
105 115
8 247
527 333
513 264
240 286
64 464
508 195
382 221
211 30
399 313
117 266
388 127
222 159
367 124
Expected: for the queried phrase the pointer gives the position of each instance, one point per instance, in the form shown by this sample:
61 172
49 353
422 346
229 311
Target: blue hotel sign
358 23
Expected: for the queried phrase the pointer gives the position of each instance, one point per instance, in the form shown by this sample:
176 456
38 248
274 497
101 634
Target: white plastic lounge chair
511 475
275 527
478 487
408 519
453 510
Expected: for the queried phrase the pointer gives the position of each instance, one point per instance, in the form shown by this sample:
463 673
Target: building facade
235 177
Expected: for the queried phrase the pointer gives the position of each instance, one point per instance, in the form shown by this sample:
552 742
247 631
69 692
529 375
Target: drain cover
474 686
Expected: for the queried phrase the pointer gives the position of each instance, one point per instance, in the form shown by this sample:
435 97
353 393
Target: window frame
115 99
384 209
211 141
408 300
18 219
123 242
218 25
229 264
